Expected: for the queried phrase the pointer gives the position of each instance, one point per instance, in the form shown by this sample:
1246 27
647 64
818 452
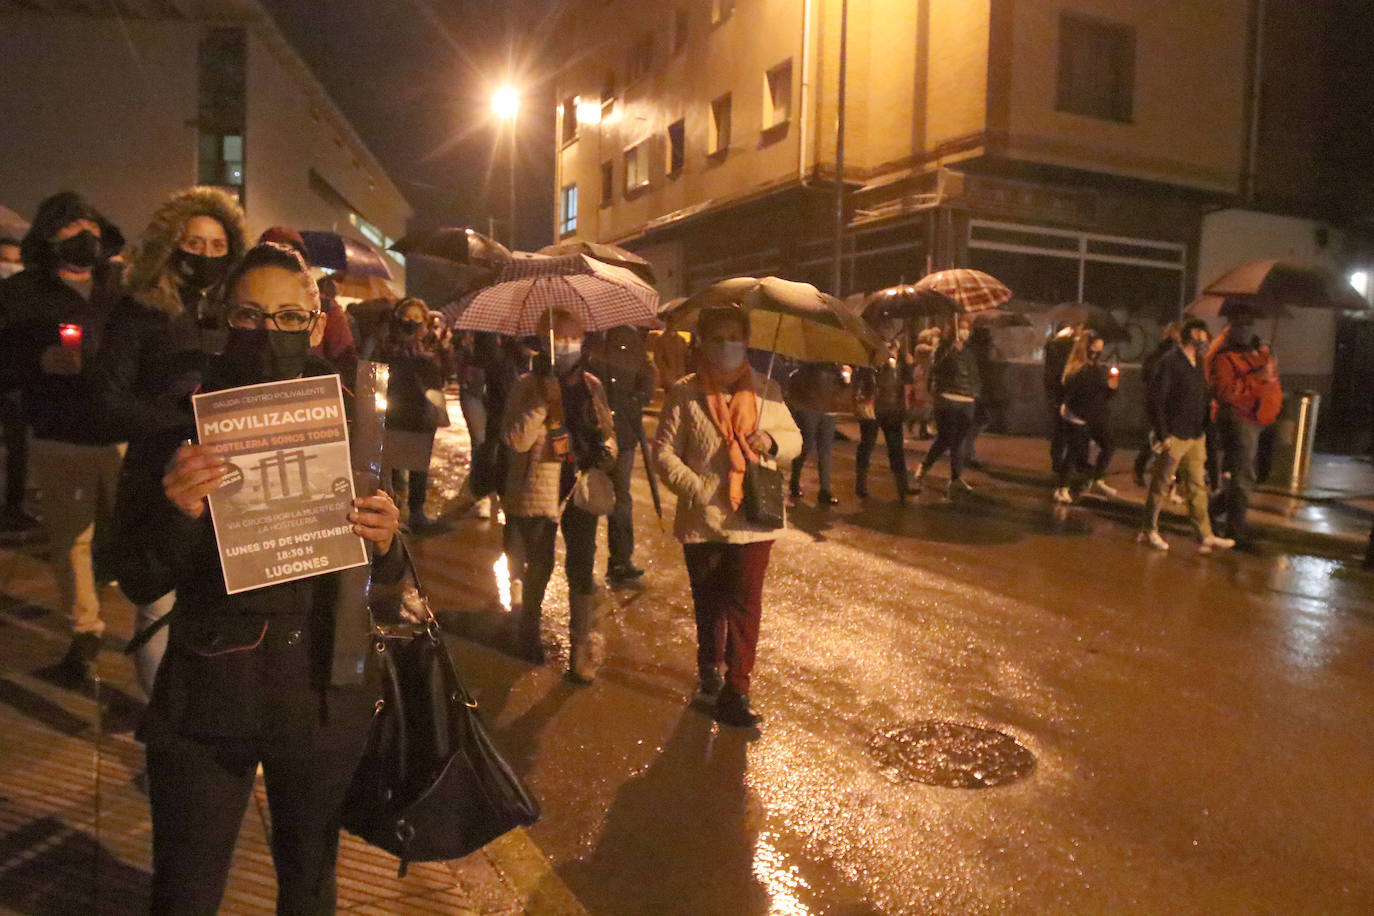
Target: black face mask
407 327
80 251
198 271
255 355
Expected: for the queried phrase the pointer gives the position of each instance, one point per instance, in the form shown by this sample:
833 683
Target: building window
718 140
721 10
636 167
680 21
607 183
567 224
1096 68
777 95
641 58
677 147
221 113
570 118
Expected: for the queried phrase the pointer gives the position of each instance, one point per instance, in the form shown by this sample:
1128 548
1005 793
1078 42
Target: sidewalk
74 819
1332 516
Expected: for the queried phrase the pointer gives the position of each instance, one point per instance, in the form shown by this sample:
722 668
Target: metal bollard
1304 438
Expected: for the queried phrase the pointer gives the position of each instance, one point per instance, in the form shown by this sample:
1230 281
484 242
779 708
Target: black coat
255 665
1088 395
1178 398
955 371
62 408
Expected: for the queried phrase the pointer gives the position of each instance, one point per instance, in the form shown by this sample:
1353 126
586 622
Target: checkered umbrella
601 296
970 290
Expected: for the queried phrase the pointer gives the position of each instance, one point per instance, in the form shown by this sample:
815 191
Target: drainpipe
836 277
804 103
1253 103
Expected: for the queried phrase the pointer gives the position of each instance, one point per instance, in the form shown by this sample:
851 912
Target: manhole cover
952 756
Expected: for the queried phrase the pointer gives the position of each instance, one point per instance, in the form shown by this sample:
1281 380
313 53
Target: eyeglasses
245 316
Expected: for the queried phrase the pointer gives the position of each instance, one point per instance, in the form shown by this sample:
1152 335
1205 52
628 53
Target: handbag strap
430 629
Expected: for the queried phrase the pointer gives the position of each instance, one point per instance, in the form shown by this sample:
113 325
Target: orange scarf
736 418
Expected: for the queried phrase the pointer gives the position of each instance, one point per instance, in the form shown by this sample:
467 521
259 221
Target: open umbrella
1287 284
1094 317
788 318
601 296
353 286
455 243
906 301
609 254
971 290
1206 306
331 251
995 319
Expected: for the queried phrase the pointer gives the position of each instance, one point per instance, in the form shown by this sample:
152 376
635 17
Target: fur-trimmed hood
147 279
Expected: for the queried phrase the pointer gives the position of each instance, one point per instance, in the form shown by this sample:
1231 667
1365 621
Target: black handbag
431 786
763 504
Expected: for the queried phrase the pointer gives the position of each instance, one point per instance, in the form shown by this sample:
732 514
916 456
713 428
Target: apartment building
127 102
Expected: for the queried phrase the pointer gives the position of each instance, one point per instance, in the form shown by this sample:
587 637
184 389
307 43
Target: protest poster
282 513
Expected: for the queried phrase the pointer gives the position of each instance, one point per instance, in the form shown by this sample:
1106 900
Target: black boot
861 483
78 665
711 682
733 709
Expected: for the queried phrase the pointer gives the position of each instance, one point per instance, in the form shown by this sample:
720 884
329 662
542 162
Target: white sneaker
1101 486
1212 542
959 487
1153 538
1175 496
1062 495
482 508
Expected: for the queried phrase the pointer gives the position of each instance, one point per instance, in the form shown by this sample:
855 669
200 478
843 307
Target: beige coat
533 474
695 464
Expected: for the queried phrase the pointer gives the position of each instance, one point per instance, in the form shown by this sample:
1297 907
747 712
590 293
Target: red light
71 335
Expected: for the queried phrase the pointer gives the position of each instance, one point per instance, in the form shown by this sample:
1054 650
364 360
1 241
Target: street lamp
505 104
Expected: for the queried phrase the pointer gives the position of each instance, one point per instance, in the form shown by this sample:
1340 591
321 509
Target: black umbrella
907 301
611 254
456 244
1287 283
1094 317
332 251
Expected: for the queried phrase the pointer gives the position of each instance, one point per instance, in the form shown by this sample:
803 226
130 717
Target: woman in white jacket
713 423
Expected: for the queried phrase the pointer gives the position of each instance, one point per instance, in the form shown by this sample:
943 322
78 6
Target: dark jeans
953 421
537 536
1238 443
890 422
16 452
199 790
727 595
818 435
1080 437
474 407
416 490
1059 441
620 524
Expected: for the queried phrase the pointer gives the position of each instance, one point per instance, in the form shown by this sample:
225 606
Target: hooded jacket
155 346
33 304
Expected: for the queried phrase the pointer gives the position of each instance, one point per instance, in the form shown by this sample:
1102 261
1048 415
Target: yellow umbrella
788 318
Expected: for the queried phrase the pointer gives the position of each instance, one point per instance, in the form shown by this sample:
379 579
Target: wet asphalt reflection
1200 726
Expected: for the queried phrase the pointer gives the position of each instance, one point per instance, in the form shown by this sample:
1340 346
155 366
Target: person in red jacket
1244 379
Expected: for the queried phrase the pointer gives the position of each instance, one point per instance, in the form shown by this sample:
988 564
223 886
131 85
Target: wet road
1201 726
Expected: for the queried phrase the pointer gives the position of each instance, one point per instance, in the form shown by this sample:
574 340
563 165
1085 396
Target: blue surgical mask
727 355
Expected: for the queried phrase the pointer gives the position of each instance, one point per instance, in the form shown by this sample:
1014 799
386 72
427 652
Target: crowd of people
101 349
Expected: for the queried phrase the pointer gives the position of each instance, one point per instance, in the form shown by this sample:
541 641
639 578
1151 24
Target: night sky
415 78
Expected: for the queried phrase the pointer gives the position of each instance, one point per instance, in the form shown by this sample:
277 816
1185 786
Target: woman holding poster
254 677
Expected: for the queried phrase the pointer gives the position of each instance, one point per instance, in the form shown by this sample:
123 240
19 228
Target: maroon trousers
727 594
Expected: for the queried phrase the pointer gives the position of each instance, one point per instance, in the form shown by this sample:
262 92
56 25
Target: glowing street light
505 104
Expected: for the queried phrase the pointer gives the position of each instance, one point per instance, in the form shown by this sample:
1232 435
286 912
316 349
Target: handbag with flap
431 785
763 501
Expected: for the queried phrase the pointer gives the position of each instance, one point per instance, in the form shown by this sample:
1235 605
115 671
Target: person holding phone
54 314
1089 387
